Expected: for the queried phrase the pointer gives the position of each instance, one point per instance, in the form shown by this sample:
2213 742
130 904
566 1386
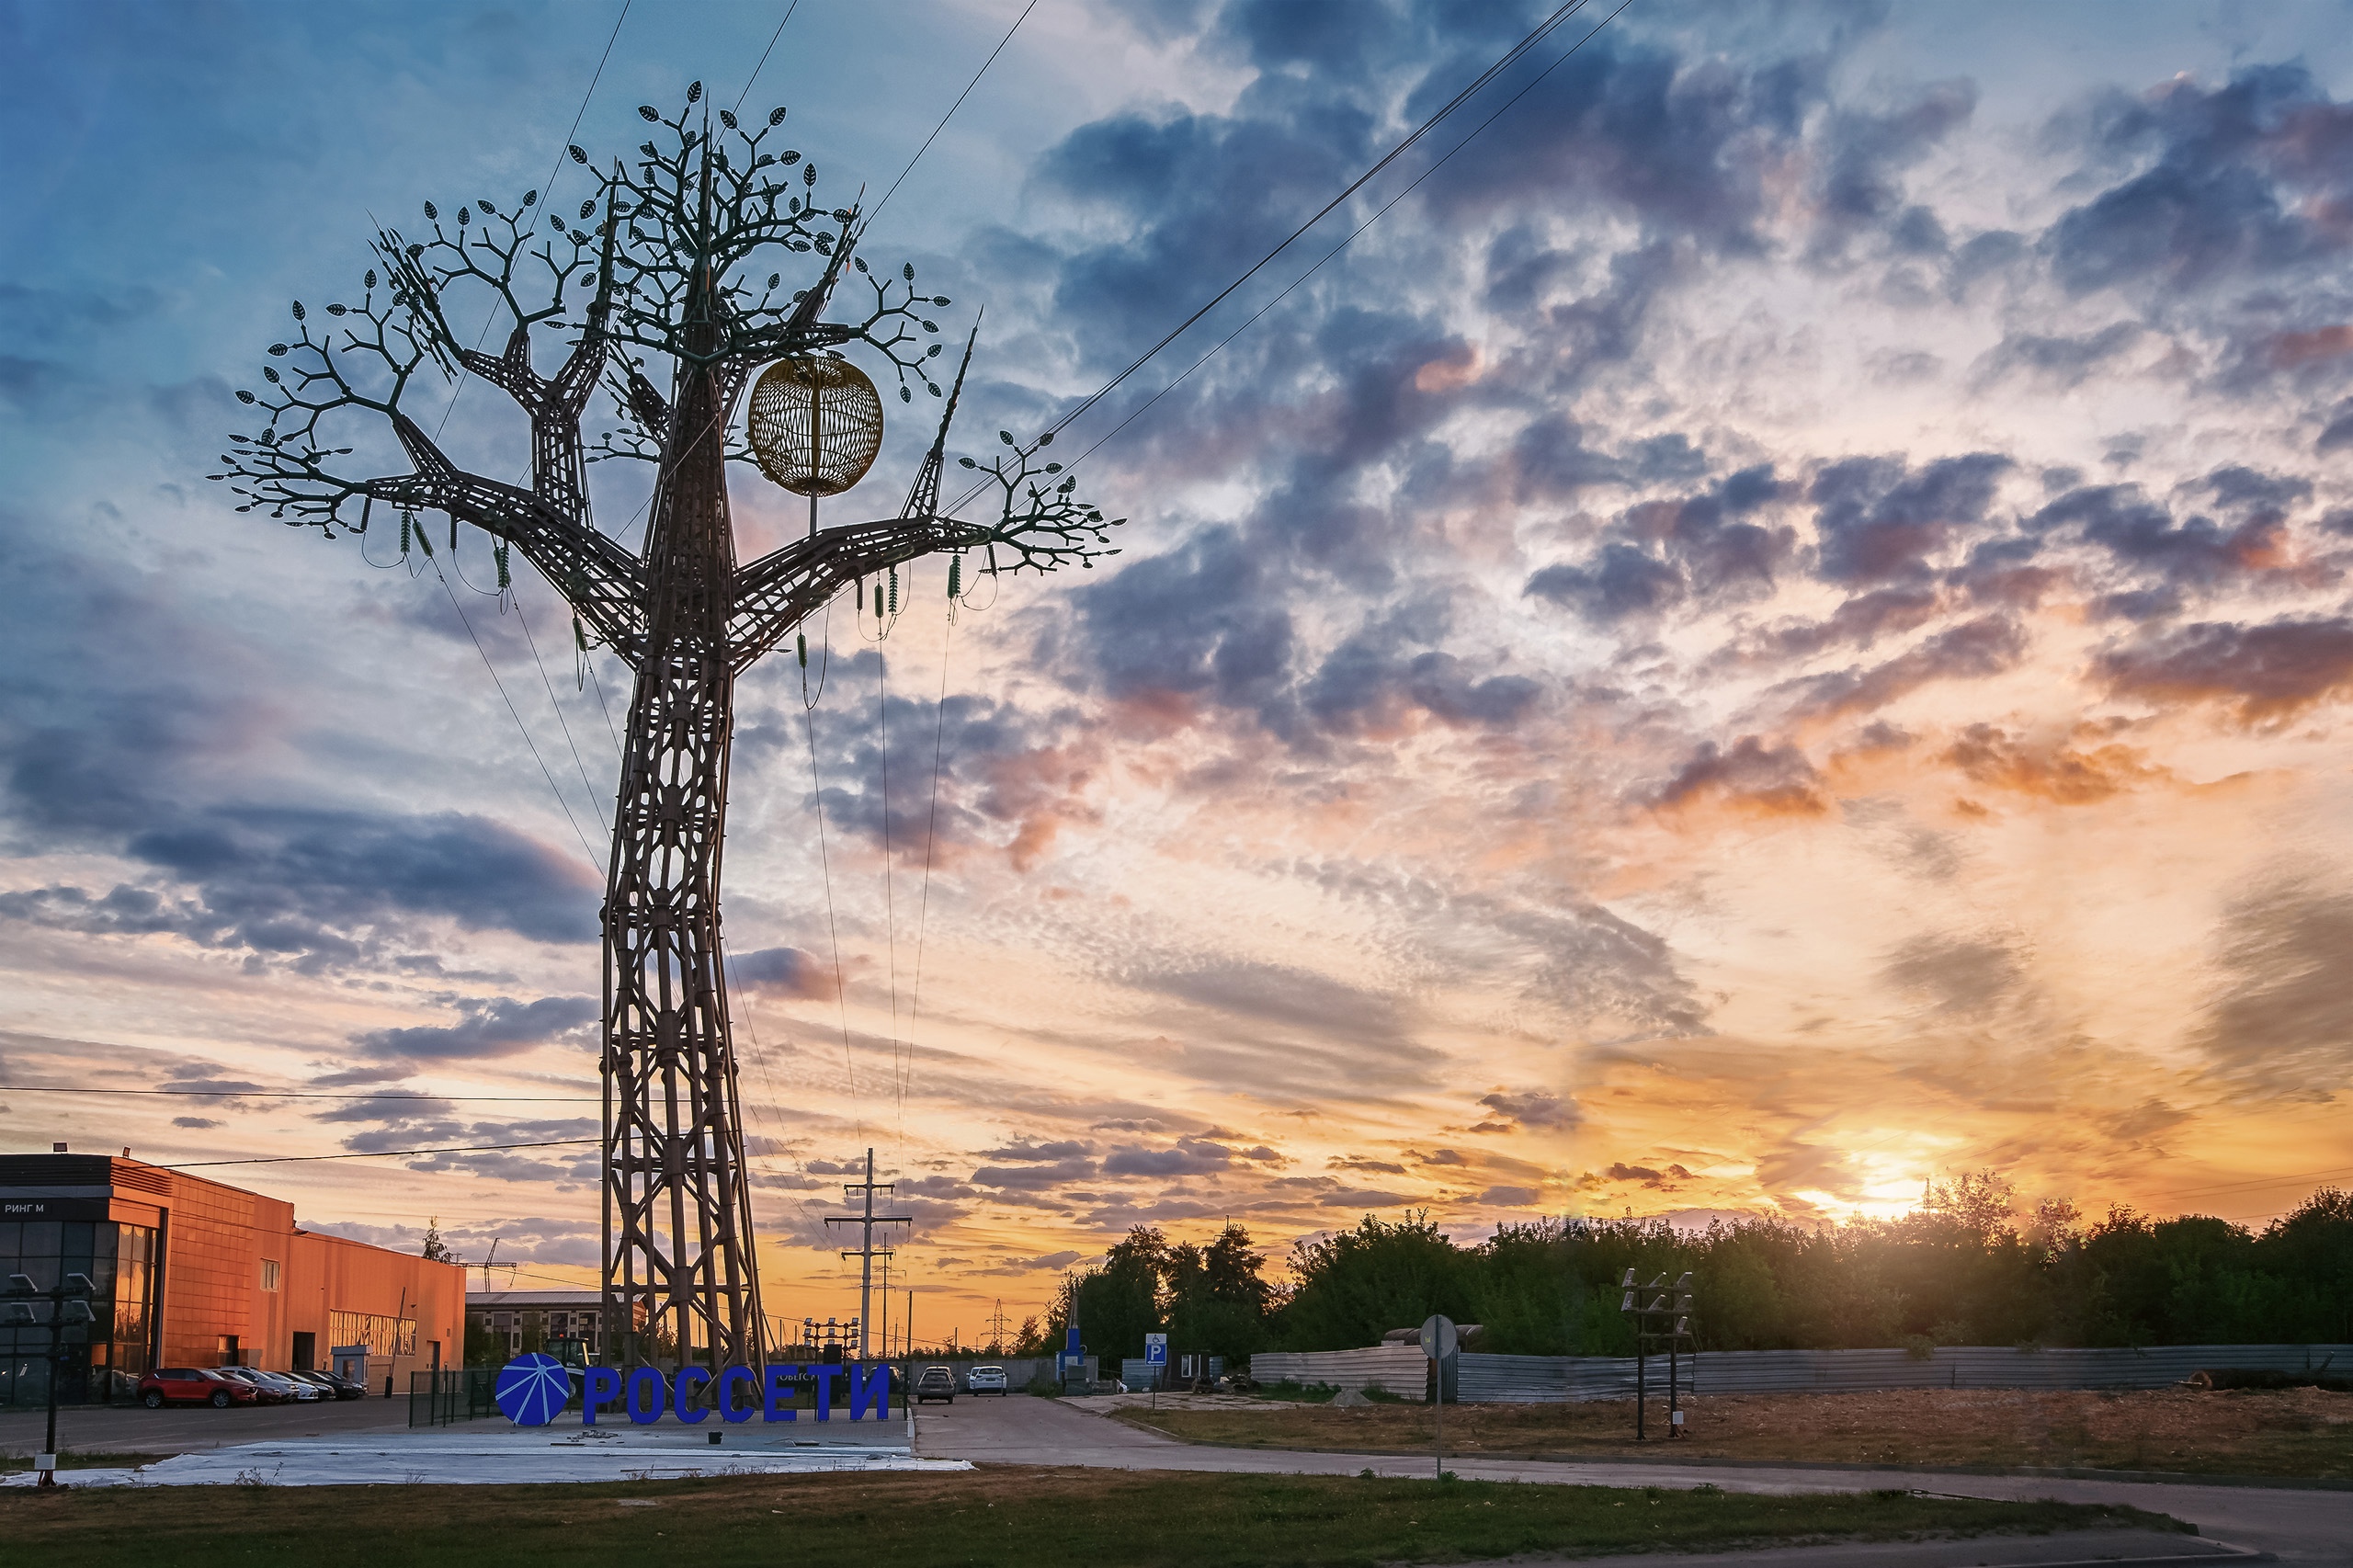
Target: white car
289 1391
985 1380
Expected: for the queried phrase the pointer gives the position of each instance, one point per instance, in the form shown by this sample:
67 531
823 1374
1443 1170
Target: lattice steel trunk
679 1263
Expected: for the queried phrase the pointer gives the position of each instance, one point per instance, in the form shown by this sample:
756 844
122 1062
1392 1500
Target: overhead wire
954 106
544 770
308 1094
1510 57
384 1153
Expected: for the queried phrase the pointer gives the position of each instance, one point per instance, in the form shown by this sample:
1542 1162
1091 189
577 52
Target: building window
269 1274
383 1336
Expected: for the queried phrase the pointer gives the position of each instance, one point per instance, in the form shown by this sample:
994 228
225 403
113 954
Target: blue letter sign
531 1389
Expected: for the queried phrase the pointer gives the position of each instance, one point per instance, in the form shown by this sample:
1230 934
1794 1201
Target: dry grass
2292 1432
1016 1517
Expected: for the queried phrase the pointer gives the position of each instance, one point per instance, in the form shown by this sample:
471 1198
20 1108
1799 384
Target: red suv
190 1386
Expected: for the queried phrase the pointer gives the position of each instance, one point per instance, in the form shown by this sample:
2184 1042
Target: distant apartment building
521 1320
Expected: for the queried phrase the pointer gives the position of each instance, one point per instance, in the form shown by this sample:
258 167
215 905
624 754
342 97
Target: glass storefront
102 1362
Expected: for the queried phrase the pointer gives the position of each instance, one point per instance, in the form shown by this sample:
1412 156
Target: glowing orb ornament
816 423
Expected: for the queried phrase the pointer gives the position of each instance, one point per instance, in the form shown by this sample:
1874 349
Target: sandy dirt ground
2304 1433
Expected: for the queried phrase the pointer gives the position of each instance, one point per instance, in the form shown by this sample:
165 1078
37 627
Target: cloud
785 972
2282 1014
1878 520
489 1027
2267 671
1534 1108
1774 780
1961 977
196 1123
1972 650
2057 771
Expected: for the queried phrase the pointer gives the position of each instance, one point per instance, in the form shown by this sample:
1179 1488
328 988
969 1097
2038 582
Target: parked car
330 1386
341 1386
936 1382
985 1380
272 1387
190 1385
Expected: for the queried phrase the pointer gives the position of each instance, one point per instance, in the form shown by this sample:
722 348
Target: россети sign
533 1390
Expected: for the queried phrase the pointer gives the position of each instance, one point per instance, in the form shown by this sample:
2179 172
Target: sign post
1156 1355
1439 1342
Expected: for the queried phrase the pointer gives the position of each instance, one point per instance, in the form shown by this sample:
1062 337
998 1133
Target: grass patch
2303 1432
1016 1517
95 1459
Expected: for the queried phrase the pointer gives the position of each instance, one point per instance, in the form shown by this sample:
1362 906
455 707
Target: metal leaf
645 112
694 91
432 213
727 119
577 155
776 115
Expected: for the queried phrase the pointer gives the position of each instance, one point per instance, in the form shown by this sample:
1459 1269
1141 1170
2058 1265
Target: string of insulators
579 635
498 554
894 590
454 533
878 601
423 541
408 525
955 576
802 639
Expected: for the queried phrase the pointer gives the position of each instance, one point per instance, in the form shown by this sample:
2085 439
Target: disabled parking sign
1155 1349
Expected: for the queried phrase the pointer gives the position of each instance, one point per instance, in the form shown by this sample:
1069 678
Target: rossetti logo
533 1390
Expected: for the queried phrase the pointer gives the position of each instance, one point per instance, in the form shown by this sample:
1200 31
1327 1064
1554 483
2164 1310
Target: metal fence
1553 1379
453 1394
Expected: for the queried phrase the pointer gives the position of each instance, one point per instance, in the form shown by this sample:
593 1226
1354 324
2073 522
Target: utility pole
853 1192
996 1329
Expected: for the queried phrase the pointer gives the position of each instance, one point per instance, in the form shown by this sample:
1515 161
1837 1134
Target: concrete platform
504 1455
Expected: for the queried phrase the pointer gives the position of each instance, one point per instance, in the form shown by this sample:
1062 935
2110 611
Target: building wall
329 1275
215 1240
237 1278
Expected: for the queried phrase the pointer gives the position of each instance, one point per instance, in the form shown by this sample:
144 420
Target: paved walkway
2304 1527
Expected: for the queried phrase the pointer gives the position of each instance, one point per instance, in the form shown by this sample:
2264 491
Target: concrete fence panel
1553 1379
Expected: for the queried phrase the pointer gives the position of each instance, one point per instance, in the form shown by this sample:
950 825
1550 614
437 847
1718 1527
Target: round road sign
1438 1338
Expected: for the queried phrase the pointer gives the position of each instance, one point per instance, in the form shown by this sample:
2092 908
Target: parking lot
179 1429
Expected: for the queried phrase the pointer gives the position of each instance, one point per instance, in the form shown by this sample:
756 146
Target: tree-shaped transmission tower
681 256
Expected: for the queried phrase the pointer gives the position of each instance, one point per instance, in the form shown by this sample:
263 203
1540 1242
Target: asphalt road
179 1429
2304 1527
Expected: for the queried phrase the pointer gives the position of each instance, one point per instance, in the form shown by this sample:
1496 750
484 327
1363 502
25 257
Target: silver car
985 1380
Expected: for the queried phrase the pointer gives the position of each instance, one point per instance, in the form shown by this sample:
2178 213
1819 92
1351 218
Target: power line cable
561 722
544 770
1510 57
384 1154
309 1095
764 56
957 105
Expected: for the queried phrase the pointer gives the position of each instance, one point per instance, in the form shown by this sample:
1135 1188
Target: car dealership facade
188 1272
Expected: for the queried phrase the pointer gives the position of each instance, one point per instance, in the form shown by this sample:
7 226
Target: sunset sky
1776 629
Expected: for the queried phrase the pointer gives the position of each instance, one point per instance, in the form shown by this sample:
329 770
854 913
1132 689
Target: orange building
187 1272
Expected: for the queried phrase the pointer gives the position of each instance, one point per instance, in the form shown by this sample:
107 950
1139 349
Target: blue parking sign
1155 1349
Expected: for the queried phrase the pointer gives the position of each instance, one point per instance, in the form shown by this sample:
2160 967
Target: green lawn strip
1008 1516
95 1459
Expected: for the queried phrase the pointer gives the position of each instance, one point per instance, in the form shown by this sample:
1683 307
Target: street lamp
70 1318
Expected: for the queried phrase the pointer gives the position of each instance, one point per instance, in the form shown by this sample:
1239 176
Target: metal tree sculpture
668 266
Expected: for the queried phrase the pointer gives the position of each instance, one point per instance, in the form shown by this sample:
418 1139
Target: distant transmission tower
996 1328
678 267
